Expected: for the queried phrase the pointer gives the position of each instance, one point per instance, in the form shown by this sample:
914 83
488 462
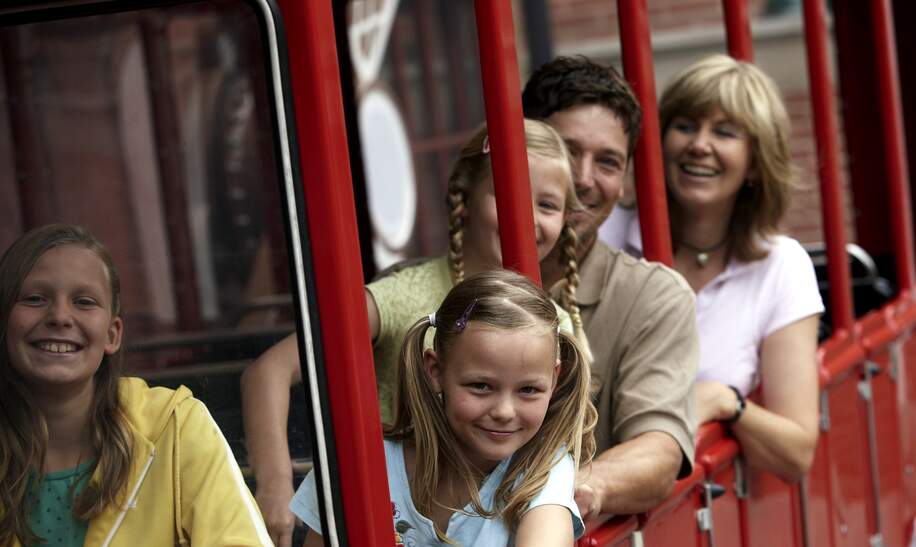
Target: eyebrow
43 284
619 154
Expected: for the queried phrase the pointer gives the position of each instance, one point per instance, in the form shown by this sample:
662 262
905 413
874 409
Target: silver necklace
701 254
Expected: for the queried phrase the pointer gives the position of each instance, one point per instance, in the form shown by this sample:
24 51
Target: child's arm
545 525
552 518
216 507
265 410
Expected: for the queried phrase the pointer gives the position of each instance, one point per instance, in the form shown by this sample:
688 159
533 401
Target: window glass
154 129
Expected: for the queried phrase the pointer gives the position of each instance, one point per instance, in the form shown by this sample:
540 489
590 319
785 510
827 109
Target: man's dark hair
571 81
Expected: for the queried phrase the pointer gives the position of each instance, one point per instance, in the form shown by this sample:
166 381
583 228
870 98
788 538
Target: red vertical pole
503 99
898 178
822 104
650 174
738 30
330 212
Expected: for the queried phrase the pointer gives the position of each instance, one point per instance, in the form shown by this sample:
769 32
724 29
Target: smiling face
496 385
549 182
707 160
61 324
597 143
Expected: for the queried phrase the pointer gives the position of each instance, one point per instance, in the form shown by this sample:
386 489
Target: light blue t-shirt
464 529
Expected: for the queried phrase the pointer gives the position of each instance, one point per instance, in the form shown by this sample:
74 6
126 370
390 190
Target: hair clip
462 321
485 147
432 319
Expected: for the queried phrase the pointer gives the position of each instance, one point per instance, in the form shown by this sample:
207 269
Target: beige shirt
640 320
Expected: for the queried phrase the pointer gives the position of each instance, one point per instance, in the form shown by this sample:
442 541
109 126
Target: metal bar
898 178
349 83
167 135
867 395
351 392
824 110
503 100
650 174
738 30
805 510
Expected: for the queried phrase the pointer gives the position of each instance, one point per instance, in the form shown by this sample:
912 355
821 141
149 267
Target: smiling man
639 316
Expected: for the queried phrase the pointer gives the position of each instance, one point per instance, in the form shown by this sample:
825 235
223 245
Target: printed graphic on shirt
400 527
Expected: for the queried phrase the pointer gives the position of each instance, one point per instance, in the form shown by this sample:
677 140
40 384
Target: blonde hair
23 430
504 300
751 99
473 167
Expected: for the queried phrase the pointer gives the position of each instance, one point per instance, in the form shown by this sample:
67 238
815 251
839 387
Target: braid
571 273
456 214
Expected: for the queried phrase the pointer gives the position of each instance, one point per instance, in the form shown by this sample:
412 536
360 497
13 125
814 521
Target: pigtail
419 417
457 211
571 274
568 428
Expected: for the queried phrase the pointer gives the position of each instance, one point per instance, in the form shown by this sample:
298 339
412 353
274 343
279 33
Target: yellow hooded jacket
185 487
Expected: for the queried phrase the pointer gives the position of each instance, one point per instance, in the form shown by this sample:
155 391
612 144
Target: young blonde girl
395 301
490 423
87 457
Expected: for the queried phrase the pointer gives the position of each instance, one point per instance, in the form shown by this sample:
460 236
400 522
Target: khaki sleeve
652 387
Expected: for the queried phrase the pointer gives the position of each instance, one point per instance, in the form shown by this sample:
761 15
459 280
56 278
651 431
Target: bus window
158 130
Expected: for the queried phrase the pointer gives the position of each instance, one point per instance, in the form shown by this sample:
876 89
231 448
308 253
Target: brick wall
574 20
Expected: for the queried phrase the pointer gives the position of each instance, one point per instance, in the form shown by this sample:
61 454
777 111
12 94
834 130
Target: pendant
702 259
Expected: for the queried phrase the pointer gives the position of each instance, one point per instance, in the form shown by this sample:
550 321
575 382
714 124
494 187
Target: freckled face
61 324
548 197
496 385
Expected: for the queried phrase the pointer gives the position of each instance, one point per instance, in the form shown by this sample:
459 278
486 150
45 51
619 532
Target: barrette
462 322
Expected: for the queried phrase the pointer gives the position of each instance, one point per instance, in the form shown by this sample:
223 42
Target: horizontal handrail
844 354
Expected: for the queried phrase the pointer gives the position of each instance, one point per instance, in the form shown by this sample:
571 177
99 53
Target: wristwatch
739 407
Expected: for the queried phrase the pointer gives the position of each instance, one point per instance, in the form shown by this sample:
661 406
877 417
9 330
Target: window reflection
153 128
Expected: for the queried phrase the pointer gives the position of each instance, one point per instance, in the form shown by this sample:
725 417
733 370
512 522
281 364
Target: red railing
861 489
862 486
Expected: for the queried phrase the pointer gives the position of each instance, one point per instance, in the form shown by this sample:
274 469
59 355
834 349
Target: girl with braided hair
396 300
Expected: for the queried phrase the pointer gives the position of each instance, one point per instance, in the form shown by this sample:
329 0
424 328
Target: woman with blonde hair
729 177
490 423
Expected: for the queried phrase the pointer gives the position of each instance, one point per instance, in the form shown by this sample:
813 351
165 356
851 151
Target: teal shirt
52 517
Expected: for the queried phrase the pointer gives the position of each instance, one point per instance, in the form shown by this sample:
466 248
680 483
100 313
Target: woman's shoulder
785 251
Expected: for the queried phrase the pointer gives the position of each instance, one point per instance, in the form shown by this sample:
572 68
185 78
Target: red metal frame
898 179
650 174
822 105
338 273
503 99
738 30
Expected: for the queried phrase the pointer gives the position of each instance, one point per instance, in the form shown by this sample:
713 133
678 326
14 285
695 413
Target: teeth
699 170
57 347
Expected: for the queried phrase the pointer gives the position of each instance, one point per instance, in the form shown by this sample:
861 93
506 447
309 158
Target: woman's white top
747 302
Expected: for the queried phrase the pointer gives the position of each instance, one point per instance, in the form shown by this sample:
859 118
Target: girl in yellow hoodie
86 457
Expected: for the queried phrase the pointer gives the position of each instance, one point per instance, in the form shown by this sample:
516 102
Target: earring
441 398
